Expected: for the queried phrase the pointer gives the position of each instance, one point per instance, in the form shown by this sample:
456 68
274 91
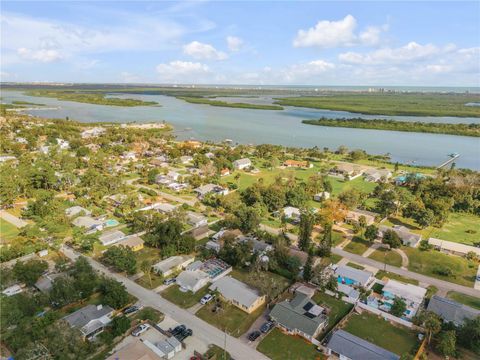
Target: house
451 311
241 164
297 164
172 264
12 290
238 294
453 248
412 295
377 175
77 210
200 232
88 223
111 237
408 178
177 186
45 282
91 319
257 245
116 199
225 232
408 238
168 348
300 316
93 132
291 212
210 188
353 216
134 242
225 172
192 280
136 350
347 171
196 219
346 346
186 159
353 277
213 245
324 195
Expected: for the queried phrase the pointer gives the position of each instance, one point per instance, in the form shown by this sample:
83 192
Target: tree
432 324
146 267
351 198
325 248
119 325
122 258
447 343
63 291
165 233
114 293
469 334
29 272
390 237
307 269
305 230
398 307
86 279
371 233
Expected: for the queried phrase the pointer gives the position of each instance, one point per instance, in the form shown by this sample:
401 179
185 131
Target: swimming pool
345 281
111 222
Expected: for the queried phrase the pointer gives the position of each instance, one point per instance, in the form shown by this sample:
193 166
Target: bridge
453 157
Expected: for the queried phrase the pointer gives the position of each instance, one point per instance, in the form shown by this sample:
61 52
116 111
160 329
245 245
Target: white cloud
327 34
183 71
127 77
234 43
41 55
202 51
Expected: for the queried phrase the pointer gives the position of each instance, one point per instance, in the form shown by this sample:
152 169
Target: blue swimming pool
111 222
345 281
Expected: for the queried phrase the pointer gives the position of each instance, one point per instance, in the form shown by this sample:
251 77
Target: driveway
201 329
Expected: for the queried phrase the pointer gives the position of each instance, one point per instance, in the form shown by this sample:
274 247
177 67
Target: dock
453 157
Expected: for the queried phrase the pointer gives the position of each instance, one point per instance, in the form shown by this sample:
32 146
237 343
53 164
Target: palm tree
432 324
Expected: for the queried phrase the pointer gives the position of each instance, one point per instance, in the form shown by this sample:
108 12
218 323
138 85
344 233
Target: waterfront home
408 238
452 311
408 178
453 247
300 316
353 216
111 237
324 195
238 294
344 345
172 264
377 175
242 164
297 164
347 171
133 242
413 296
90 320
203 190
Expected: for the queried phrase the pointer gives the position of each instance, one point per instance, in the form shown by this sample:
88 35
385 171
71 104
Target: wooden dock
449 161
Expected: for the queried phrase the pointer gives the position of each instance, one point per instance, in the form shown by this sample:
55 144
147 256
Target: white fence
385 315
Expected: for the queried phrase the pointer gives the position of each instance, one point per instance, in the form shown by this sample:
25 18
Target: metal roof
450 310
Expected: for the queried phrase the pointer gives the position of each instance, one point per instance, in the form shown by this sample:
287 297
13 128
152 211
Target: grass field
355 266
338 309
425 262
357 246
230 319
374 329
389 257
279 346
381 274
183 299
7 231
461 228
266 282
468 300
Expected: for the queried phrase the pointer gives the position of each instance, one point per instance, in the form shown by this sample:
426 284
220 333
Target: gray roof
45 282
232 289
171 262
403 233
83 316
355 348
297 315
86 222
75 210
360 276
110 237
450 310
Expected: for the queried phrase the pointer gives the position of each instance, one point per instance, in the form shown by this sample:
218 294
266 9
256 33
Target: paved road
202 330
12 219
413 275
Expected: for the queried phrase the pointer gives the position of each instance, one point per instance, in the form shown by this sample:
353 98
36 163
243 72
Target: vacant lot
386 256
461 228
183 299
267 283
338 309
228 318
381 274
357 246
468 300
279 346
376 330
7 231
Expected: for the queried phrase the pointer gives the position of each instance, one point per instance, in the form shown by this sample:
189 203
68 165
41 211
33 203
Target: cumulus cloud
234 43
327 34
202 51
41 55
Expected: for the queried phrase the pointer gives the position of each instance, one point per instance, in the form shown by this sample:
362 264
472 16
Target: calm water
248 126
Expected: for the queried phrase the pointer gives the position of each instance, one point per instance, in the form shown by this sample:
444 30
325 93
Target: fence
385 315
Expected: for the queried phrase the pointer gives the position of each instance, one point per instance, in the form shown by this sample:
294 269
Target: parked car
177 329
140 329
184 334
206 299
254 335
267 327
169 281
131 309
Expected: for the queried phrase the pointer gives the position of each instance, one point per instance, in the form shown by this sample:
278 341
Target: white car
207 298
139 330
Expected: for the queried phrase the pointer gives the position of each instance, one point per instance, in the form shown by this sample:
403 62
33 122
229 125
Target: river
248 126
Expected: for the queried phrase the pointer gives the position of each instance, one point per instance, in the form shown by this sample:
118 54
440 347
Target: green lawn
389 257
355 266
338 309
145 281
461 228
468 300
374 329
7 231
425 262
357 246
381 274
229 318
183 299
266 282
147 253
337 238
279 346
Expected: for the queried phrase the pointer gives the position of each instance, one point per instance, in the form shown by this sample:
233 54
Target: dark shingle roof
450 310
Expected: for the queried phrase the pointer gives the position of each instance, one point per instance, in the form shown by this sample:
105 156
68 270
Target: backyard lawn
376 330
357 246
389 257
145 281
468 300
338 309
7 231
230 318
279 346
266 282
381 274
461 228
426 262
183 299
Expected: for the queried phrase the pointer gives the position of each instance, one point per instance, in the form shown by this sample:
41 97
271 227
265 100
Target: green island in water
202 100
395 125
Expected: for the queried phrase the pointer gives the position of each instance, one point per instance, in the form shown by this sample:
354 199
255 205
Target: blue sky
313 43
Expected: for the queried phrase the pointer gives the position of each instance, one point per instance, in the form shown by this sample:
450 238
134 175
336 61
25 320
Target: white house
241 164
192 280
291 212
174 263
77 210
111 237
196 219
412 295
453 247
